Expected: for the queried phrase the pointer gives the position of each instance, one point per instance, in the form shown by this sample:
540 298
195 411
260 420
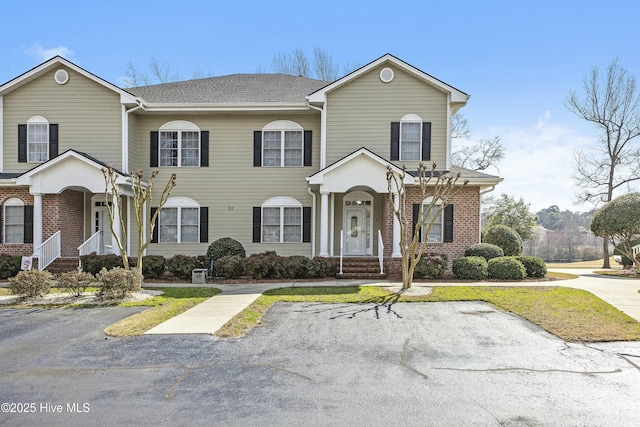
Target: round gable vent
61 77
386 75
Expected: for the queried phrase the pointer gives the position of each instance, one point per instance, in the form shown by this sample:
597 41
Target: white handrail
380 252
48 251
341 248
91 245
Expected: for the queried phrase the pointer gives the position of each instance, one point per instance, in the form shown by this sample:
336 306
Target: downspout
313 222
323 132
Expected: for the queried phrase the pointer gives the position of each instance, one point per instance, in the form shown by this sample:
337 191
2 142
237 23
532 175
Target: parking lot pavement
315 364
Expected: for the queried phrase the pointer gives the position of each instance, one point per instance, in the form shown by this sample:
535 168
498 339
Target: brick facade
63 212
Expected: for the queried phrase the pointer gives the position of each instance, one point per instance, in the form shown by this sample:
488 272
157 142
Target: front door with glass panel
103 225
357 223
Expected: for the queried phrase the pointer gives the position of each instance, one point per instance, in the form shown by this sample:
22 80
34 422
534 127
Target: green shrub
292 267
625 260
505 237
31 283
432 266
230 266
534 266
117 283
182 265
153 266
75 282
9 265
224 247
506 268
319 267
261 266
485 250
94 263
470 268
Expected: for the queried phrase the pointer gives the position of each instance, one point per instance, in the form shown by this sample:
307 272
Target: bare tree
142 200
133 77
610 102
479 155
326 69
294 63
162 71
442 188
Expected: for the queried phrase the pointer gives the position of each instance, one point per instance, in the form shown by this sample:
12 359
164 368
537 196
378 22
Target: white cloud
41 54
539 162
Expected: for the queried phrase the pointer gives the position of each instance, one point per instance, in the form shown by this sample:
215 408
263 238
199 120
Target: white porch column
116 225
324 223
37 223
396 228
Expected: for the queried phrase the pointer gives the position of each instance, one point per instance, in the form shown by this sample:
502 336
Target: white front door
103 225
355 230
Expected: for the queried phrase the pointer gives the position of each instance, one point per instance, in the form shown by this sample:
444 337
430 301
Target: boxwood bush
118 282
182 265
432 266
75 282
224 247
261 266
230 267
485 250
534 266
505 237
506 268
94 263
31 283
470 268
9 265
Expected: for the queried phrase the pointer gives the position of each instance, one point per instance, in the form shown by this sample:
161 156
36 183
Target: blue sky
517 59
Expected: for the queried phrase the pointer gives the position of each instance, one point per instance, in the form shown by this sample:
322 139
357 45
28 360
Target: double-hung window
281 221
282 144
410 137
17 221
179 221
179 148
436 220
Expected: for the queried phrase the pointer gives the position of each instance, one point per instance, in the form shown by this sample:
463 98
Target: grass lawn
571 314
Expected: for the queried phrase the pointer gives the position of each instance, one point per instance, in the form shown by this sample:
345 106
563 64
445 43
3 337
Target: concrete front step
62 265
360 268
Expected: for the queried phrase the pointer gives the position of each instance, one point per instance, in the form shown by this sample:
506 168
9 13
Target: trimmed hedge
31 283
534 266
506 268
230 266
470 268
432 266
118 283
182 265
505 237
94 263
224 247
485 250
269 265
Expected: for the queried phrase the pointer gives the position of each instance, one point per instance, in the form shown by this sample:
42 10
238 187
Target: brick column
37 223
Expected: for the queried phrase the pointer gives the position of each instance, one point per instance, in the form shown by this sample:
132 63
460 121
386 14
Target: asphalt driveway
315 364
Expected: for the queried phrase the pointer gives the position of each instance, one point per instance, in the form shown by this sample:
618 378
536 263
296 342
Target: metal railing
48 251
91 245
380 252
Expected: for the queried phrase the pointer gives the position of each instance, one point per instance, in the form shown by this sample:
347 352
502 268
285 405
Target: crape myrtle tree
611 102
142 200
441 188
619 221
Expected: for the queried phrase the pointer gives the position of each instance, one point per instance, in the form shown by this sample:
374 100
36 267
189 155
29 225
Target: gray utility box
199 276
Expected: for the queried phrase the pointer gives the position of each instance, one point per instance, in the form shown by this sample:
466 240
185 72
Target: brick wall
21 193
71 221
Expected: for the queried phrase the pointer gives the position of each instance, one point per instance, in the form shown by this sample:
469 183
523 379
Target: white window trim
283 126
411 118
37 120
281 203
11 202
438 204
179 203
179 126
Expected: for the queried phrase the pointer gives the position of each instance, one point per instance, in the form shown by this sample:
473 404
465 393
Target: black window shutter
153 155
53 141
416 212
22 143
426 141
28 224
257 224
154 236
306 224
257 149
448 224
307 148
395 140
204 224
204 149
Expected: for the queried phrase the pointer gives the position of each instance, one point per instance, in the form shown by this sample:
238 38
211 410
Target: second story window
282 143
179 144
37 140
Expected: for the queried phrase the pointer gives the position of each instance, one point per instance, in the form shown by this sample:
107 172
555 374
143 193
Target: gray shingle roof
235 88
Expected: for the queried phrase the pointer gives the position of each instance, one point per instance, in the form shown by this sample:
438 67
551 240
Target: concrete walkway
210 315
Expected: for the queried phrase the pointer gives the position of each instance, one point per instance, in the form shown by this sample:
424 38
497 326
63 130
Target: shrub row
503 268
153 266
269 265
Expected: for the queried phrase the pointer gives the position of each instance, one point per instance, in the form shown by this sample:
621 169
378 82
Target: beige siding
231 186
360 113
88 115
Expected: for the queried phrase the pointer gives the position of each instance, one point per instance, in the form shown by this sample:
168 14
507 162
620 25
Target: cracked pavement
444 364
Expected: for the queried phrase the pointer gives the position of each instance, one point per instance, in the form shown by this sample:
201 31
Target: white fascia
194 107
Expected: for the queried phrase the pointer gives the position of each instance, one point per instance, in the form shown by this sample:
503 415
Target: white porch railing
380 252
341 249
91 245
48 251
